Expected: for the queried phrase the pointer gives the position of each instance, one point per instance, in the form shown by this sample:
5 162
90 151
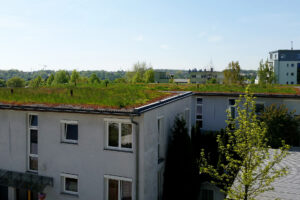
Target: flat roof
286 50
237 94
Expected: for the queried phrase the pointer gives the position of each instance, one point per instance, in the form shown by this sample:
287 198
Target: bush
16 82
281 125
2 83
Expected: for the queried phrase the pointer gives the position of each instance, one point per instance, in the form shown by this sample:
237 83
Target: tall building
286 65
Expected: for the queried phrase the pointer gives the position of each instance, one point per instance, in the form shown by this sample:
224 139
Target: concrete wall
149 137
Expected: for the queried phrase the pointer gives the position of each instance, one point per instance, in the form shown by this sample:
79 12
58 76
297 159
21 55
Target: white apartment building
286 65
67 153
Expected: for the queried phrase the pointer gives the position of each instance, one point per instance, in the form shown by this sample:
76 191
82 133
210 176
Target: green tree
61 77
180 178
50 80
94 79
265 73
120 80
137 75
232 73
15 82
281 125
2 83
248 162
75 76
37 82
149 76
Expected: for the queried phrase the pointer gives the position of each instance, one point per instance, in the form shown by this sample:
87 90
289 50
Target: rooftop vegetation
119 95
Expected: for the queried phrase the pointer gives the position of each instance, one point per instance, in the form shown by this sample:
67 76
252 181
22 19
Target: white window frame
229 106
30 155
63 181
198 104
119 122
63 131
119 179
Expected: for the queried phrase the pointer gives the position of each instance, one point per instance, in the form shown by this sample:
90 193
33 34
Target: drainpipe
137 156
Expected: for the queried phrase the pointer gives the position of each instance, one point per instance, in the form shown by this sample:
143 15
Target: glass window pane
126 190
113 192
199 100
126 135
71 131
33 120
199 116
231 102
71 184
33 163
33 142
113 135
232 112
199 109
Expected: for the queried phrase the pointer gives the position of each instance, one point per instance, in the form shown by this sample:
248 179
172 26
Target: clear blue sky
170 34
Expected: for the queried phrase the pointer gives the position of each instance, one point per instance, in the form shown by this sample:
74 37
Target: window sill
69 142
118 150
70 194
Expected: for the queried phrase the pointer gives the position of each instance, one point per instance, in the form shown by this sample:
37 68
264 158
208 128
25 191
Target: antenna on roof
291 45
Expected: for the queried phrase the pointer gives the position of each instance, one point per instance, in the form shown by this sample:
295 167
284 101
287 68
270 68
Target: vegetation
142 73
265 73
2 83
15 82
181 170
281 125
232 73
247 167
115 95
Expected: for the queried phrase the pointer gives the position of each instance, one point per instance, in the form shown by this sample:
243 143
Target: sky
167 34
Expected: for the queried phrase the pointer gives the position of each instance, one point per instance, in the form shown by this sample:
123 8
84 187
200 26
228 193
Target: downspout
137 156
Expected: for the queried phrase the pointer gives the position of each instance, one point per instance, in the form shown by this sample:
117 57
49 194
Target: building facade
205 75
67 153
286 65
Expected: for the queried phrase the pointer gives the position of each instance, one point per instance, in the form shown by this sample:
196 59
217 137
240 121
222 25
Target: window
292 74
287 82
231 103
292 82
161 139
69 184
160 179
118 188
69 131
119 135
287 73
33 143
259 108
199 105
287 64
282 56
292 64
207 194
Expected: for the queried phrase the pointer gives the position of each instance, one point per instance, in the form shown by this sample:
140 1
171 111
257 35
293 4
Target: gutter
137 147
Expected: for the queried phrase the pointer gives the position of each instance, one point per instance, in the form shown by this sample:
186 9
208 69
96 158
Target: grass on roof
120 95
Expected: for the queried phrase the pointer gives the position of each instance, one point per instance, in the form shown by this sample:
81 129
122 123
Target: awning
27 181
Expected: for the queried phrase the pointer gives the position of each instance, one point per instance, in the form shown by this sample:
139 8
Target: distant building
161 77
181 80
203 76
286 65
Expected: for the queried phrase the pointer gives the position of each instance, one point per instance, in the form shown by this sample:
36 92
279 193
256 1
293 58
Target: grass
119 95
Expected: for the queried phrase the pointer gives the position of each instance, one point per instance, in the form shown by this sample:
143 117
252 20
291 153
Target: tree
50 80
281 125
94 79
180 169
149 76
2 83
265 73
61 77
232 73
247 160
16 82
37 82
138 73
75 77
